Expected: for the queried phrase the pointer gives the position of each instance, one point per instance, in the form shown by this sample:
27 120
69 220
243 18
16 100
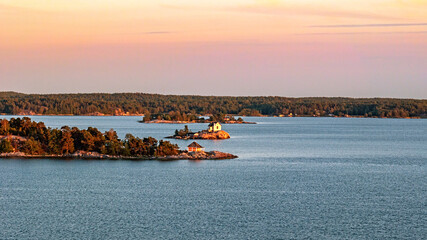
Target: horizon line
197 95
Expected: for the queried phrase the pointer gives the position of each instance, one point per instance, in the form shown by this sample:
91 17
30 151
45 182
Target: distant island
128 104
177 118
24 138
214 132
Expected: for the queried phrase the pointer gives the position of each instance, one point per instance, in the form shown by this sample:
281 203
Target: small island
214 132
24 138
178 118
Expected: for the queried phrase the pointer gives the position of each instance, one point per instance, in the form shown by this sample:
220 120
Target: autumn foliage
25 135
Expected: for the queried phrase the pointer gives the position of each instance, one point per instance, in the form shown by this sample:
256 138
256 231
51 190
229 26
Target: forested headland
182 106
34 138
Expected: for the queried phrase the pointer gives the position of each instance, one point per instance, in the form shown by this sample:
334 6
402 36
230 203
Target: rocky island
214 132
23 138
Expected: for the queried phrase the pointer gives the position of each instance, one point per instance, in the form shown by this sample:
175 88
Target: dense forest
27 136
155 104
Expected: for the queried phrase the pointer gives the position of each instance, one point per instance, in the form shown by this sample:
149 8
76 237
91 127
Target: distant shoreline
191 122
180 107
188 122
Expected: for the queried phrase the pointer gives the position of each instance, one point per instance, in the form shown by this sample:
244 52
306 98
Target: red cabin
195 147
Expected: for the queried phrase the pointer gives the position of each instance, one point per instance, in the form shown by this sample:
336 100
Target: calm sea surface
316 178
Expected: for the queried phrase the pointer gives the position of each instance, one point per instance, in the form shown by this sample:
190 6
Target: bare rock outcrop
12 155
89 155
183 155
212 135
213 155
205 135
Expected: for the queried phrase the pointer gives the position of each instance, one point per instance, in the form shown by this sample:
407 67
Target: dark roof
195 145
212 123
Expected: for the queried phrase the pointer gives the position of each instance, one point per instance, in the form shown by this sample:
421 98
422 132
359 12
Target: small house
214 127
195 147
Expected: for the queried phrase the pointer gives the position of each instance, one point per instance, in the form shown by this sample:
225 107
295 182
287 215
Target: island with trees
24 138
12 103
214 132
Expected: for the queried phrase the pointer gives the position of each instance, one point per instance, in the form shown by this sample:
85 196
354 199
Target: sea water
295 178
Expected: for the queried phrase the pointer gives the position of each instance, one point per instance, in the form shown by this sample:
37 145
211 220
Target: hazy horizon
203 95
305 48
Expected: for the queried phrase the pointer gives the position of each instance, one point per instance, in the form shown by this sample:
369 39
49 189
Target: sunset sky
356 48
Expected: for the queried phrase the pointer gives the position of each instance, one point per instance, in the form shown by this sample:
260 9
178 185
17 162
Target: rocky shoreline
203 135
183 155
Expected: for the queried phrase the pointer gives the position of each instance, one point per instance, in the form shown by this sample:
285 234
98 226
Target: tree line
27 136
174 105
177 116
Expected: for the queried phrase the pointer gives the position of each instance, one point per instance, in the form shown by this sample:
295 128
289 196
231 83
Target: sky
294 48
